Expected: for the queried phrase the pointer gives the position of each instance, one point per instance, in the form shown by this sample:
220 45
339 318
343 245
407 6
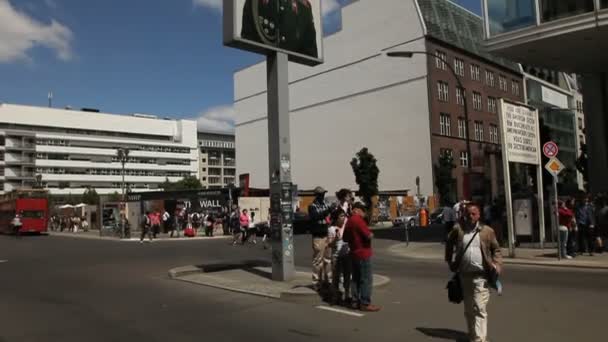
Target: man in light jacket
478 267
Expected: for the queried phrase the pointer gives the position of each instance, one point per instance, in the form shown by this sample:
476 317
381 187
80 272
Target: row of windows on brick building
475 73
443 93
463 158
445 129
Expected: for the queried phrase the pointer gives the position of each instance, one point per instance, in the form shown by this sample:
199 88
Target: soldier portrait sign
290 26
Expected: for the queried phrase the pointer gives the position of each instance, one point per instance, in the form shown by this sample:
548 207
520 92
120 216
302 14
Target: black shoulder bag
454 286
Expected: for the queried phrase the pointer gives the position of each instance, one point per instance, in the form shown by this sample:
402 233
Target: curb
178 272
521 262
158 240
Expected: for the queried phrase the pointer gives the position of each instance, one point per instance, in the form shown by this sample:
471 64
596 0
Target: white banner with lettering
520 133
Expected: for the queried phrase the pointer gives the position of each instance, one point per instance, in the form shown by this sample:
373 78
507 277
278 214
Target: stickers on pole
554 166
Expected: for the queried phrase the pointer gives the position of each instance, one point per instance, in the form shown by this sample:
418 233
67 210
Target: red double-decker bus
33 206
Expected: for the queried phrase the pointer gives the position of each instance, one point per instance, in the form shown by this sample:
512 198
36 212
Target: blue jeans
362 281
563 235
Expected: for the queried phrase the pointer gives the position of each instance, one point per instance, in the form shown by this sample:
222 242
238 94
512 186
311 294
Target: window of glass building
558 9
510 15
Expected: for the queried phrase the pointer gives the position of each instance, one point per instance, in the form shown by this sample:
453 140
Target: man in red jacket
359 239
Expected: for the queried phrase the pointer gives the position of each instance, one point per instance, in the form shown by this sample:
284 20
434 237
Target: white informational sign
520 133
290 26
521 144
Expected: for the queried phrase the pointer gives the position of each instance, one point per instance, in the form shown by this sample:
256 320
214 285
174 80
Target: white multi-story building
68 150
217 159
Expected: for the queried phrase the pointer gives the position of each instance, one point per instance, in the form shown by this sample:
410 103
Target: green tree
444 180
186 183
115 197
90 196
366 175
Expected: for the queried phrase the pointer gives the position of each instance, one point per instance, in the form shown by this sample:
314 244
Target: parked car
410 221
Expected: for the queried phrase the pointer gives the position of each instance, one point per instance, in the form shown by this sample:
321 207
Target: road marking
1 261
342 311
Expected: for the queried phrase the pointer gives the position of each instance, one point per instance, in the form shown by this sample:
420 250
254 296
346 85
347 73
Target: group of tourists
583 225
342 250
70 223
182 222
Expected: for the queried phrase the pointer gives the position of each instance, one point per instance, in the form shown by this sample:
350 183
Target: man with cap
359 238
286 24
318 212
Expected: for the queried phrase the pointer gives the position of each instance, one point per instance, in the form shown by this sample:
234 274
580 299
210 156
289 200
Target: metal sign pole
507 182
559 238
279 158
540 194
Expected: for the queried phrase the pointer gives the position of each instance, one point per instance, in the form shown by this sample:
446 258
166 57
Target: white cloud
219 119
213 4
328 6
19 33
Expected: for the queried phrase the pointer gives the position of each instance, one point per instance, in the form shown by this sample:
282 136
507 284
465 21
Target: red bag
189 232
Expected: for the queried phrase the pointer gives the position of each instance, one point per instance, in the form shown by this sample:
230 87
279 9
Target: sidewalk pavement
252 277
94 235
523 256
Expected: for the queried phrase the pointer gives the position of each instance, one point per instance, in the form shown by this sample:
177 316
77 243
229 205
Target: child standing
340 258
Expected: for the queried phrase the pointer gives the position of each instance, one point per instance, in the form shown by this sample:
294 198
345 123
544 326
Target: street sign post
520 144
263 27
554 167
550 149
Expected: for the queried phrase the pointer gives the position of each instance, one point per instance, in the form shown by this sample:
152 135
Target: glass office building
564 35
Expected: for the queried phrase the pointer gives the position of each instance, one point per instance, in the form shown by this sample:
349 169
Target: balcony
566 35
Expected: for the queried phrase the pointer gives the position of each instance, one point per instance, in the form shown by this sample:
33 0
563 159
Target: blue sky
162 57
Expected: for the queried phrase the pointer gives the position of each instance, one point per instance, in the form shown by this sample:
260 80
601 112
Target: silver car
409 221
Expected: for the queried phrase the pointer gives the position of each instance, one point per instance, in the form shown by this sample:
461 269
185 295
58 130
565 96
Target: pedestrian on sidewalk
480 264
341 261
585 221
319 212
602 223
358 236
167 226
235 226
209 221
566 226
85 224
155 219
244 225
146 227
345 201
448 218
16 223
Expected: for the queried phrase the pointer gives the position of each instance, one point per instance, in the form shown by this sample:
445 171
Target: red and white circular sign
550 149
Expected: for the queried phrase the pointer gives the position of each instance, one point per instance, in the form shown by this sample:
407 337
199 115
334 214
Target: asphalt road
65 289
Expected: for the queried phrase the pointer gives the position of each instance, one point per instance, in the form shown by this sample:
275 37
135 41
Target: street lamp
123 155
410 54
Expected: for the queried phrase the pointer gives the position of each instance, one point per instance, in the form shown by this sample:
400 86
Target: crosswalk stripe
342 311
1 261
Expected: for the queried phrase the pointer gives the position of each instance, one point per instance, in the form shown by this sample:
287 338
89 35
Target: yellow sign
554 166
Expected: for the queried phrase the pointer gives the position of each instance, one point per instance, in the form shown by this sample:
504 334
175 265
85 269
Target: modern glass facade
510 15
505 16
559 9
